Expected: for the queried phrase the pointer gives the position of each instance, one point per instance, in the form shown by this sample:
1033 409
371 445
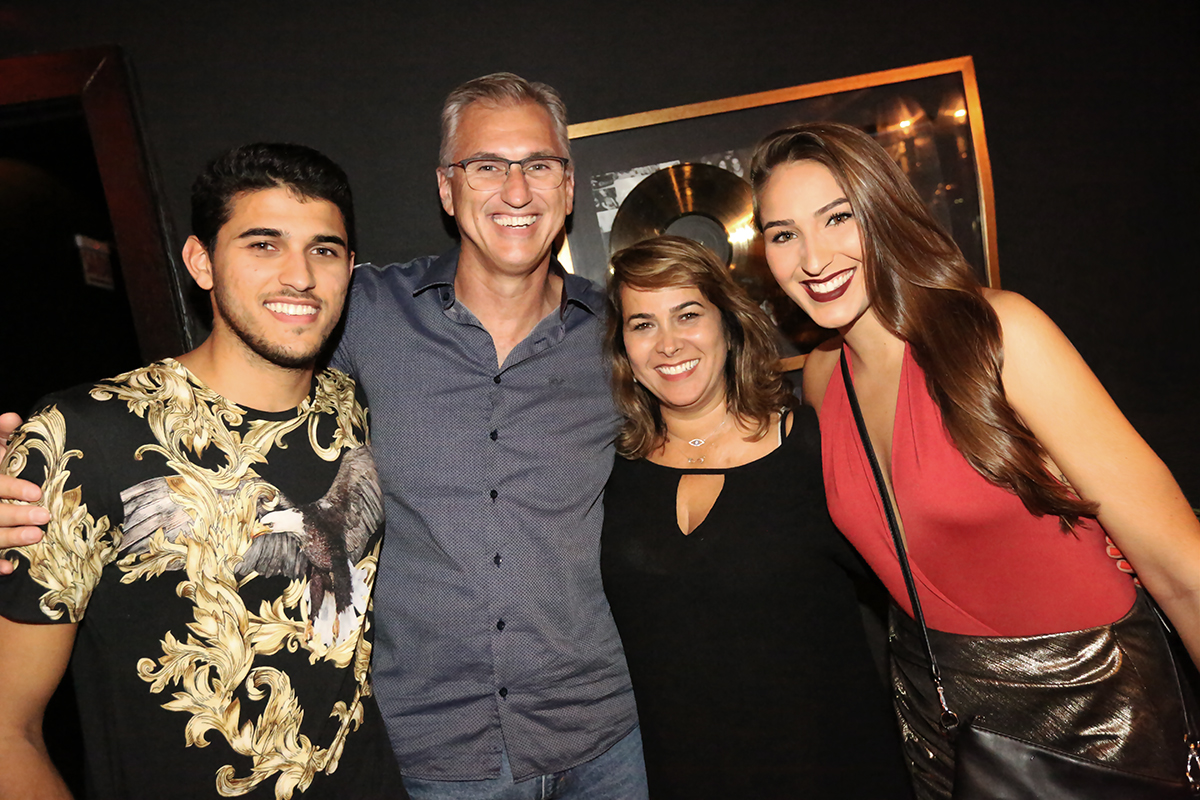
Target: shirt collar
440 273
577 290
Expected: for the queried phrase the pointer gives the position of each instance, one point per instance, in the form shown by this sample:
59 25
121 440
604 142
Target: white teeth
831 284
515 222
680 368
291 309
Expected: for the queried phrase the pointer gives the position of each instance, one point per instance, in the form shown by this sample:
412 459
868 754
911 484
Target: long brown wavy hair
924 292
754 387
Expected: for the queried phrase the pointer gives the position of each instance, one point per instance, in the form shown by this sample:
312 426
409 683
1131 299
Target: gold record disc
699 201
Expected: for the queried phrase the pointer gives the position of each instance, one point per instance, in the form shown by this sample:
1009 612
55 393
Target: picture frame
927 116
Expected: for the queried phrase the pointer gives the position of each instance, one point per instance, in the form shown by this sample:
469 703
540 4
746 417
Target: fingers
16 489
17 517
18 524
21 534
8 423
16 537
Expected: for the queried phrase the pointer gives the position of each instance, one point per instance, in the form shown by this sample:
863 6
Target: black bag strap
1178 652
949 719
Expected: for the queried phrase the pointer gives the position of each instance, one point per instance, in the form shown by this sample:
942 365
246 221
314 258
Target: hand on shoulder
17 521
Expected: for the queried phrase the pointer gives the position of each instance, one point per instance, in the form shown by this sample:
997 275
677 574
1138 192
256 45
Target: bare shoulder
1010 305
1031 338
818 369
1040 363
1021 322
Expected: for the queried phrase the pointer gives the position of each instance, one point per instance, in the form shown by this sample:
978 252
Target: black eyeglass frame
566 163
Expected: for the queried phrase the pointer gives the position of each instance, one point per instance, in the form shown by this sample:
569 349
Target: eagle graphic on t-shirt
321 541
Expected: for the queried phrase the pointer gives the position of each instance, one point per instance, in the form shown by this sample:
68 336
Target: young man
214 527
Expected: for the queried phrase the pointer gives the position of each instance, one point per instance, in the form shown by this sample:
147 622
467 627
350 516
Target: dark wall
1089 108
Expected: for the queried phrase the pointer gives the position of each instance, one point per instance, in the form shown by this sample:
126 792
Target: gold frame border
964 65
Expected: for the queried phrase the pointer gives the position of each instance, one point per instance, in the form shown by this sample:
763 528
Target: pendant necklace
700 441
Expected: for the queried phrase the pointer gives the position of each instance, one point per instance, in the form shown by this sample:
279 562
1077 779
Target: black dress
744 639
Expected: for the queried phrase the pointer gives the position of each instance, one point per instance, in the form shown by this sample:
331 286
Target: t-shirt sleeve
54 578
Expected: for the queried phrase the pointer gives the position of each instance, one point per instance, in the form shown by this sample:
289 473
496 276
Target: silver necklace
700 441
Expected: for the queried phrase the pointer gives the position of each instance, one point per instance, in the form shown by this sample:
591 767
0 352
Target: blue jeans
619 774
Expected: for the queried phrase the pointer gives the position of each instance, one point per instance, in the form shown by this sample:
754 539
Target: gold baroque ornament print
69 560
205 522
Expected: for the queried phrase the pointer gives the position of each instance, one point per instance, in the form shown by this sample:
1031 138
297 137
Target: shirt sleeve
54 578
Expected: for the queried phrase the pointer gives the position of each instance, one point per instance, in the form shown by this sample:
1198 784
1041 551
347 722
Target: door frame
97 77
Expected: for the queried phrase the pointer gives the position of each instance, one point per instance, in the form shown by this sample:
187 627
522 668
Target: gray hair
501 89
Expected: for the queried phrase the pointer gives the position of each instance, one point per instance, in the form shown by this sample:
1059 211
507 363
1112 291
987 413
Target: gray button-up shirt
493 629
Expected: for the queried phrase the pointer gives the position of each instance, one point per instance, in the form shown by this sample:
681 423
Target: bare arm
17 523
32 661
1141 506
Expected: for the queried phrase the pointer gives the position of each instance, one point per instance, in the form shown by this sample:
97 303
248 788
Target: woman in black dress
733 593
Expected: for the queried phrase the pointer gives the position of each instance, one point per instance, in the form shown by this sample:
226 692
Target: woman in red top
1006 461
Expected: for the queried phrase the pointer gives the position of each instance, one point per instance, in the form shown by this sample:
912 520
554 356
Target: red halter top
983 564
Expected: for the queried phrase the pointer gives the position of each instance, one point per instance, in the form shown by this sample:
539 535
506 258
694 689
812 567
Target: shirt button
496 559
504 691
496 379
494 494
494 435
500 625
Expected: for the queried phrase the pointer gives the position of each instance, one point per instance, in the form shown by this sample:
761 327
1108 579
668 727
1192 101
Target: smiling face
675 340
508 230
813 245
278 274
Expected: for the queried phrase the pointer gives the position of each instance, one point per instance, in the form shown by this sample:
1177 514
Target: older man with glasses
497 664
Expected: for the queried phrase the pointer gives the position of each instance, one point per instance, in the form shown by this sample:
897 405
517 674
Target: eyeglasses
488 174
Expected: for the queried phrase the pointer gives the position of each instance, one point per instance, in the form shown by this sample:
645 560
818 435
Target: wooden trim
97 78
773 97
983 173
792 363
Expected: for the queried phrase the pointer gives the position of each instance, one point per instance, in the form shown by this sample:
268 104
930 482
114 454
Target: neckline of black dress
783 437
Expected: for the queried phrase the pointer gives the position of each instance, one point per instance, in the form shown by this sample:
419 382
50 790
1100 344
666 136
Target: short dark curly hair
266 165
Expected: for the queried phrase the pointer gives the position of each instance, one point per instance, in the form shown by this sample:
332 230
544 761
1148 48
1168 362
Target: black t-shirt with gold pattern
219 562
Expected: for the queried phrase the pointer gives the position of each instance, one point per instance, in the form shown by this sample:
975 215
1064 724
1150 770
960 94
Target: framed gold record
684 170
702 202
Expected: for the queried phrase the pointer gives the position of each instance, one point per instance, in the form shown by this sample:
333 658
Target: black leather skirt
1108 693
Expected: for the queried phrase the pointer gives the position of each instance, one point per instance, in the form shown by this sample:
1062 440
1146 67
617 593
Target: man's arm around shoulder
32 661
17 522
